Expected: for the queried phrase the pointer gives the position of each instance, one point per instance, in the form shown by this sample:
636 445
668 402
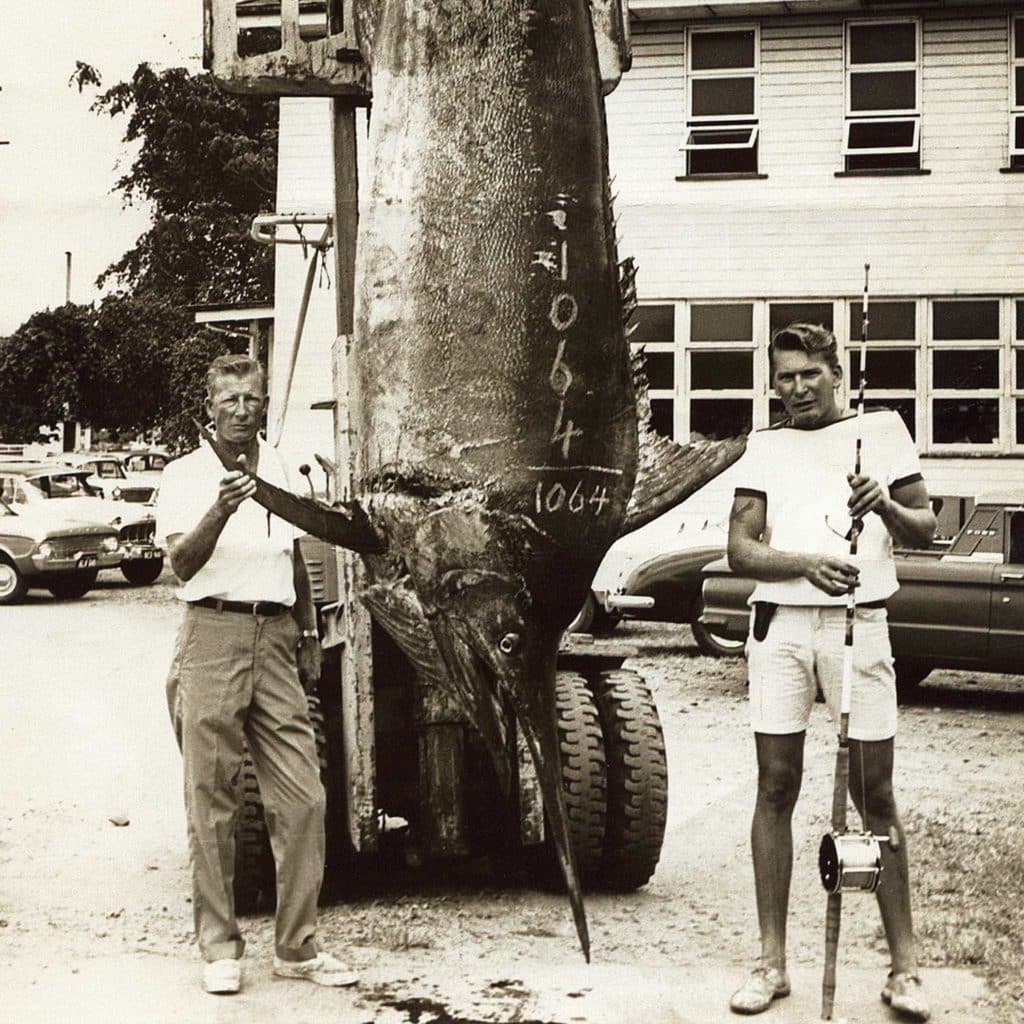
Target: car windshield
109 470
62 485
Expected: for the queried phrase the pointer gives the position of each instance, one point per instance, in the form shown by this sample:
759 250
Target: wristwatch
309 633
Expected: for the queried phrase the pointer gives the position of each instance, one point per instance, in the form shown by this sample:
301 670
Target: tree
207 163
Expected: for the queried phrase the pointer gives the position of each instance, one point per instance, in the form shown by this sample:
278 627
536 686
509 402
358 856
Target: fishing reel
851 861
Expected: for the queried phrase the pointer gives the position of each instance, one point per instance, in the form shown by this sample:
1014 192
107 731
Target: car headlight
116 494
45 549
109 544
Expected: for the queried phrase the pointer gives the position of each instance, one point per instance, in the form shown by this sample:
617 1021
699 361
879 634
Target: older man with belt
247 637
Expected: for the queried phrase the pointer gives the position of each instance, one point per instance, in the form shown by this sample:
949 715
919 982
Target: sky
62 160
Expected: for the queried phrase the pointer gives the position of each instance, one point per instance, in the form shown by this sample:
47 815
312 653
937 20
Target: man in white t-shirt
246 648
795 499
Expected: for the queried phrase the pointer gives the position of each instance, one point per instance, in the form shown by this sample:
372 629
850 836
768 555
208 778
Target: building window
655 332
720 363
721 123
1017 350
883 112
965 364
892 374
1017 92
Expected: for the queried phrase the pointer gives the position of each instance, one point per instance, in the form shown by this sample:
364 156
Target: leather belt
266 608
872 604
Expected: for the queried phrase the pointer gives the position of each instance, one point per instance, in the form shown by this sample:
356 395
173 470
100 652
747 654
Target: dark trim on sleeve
749 492
914 478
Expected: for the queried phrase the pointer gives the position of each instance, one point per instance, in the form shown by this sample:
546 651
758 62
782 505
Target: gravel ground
125 889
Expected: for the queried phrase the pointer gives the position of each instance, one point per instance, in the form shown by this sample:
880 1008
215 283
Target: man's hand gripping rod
847 861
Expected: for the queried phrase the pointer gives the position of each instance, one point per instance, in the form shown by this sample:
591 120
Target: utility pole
67 277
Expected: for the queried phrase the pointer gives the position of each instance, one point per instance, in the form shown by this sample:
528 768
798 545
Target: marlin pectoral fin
347 526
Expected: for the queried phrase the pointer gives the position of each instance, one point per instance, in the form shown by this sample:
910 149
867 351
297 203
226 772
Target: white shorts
804 649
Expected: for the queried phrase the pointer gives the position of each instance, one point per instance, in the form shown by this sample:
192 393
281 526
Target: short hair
815 340
234 365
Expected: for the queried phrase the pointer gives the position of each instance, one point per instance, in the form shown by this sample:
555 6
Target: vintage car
655 574
109 478
960 606
61 493
147 464
61 559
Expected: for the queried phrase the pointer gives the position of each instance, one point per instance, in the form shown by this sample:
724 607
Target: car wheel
909 675
12 583
711 644
141 571
637 782
72 586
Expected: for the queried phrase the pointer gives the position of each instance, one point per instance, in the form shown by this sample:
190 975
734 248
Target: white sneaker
222 977
323 969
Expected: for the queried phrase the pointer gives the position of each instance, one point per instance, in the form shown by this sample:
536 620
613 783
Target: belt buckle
256 607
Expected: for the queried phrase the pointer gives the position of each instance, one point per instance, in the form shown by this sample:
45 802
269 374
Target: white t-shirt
252 559
801 474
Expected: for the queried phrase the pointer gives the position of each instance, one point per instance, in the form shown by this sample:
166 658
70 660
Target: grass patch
968 877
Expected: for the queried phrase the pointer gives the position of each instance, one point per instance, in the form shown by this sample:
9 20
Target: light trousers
234 678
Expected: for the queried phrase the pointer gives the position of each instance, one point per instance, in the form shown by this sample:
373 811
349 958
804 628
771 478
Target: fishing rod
847 861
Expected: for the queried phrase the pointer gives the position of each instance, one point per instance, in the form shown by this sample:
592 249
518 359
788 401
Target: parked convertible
59 493
61 559
109 478
959 607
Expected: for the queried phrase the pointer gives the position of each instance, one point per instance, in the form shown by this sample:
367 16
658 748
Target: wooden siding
801 230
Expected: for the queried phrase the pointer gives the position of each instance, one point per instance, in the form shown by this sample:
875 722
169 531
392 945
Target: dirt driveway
95 922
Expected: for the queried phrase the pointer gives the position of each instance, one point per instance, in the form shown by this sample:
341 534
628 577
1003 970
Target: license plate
150 553
86 561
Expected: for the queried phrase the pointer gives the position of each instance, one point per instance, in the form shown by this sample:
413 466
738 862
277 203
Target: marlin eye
509 643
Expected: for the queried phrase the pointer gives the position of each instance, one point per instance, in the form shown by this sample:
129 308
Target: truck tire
142 571
909 675
72 585
584 780
255 885
12 584
637 779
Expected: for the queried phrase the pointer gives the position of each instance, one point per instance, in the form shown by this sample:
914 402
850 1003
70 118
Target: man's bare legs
780 765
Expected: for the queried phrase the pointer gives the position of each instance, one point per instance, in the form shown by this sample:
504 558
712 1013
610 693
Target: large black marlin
491 398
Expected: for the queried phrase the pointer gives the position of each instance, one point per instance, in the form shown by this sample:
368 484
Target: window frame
884 116
1016 113
695 123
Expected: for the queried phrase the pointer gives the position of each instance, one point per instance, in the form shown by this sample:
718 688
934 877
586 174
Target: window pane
264 37
1020 421
887 368
722 50
882 44
662 416
1018 87
722 161
1020 320
882 135
782 314
965 420
719 97
887 321
966 369
875 161
1018 380
965 321
883 90
660 367
718 418
904 406
1018 38
654 323
1018 133
710 371
735 323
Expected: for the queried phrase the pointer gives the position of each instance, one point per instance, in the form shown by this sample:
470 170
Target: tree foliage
206 164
